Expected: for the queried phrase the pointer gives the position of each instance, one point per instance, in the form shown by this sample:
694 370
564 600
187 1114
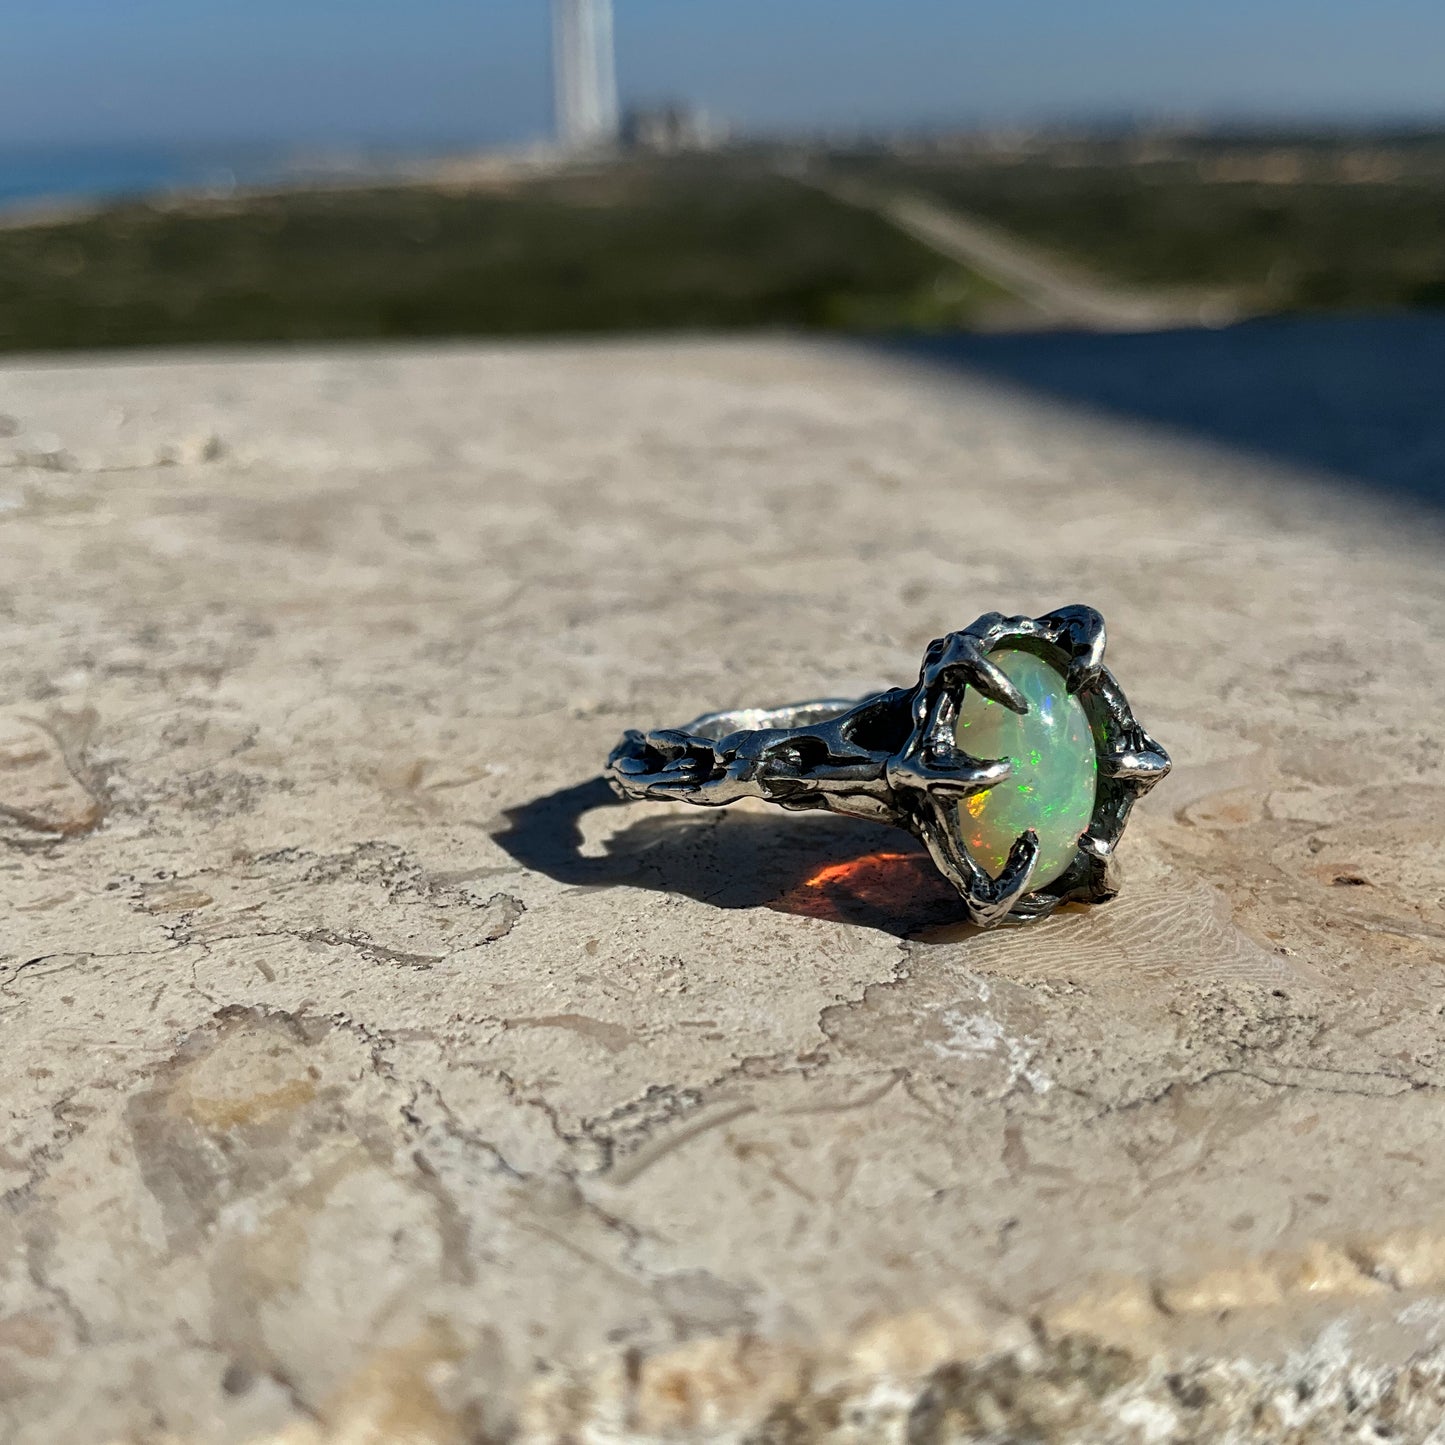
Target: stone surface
369 1074
1050 787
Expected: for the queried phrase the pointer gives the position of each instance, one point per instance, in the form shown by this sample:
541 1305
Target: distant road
1058 296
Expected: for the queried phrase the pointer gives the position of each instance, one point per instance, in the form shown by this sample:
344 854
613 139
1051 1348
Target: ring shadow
816 865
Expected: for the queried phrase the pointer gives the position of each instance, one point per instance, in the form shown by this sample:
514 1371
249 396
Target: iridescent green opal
1055 769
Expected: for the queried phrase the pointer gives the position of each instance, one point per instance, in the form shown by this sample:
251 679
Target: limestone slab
370 1074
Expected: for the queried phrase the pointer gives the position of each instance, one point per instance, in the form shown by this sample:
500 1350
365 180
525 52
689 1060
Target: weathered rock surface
370 1076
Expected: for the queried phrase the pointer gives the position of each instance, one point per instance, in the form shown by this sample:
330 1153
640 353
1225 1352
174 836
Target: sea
70 174
83 173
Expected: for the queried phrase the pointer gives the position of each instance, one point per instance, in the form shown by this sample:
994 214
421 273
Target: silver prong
1084 625
1081 672
961 776
1096 881
958 775
1142 766
990 680
935 762
1080 631
990 903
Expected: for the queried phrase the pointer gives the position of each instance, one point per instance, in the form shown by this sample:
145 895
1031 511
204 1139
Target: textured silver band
893 758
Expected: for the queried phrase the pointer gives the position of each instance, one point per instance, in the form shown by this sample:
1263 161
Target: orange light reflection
853 868
884 889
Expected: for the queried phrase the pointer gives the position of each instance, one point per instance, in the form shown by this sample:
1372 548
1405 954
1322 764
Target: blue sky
84 71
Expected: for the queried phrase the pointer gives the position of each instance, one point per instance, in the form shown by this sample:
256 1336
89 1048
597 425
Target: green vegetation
1290 223
638 246
724 242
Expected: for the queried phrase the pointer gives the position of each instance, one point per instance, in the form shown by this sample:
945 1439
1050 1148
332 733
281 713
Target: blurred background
192 171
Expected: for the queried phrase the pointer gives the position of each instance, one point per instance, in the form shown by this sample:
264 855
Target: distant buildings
669 128
584 73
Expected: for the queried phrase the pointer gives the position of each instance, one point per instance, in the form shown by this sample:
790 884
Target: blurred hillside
723 241
633 246
1281 222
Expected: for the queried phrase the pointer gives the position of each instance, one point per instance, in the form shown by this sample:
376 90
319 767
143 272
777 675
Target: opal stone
1055 768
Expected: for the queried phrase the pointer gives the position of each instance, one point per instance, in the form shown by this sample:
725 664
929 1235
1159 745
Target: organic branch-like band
894 758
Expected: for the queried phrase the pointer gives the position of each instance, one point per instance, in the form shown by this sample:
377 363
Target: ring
1015 759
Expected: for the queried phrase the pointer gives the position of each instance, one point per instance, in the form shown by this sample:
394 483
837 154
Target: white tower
584 72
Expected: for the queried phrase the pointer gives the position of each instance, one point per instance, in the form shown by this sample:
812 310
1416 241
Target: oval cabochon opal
1055 769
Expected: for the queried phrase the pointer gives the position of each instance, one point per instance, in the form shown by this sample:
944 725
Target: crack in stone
1176 1086
362 944
79 957
510 910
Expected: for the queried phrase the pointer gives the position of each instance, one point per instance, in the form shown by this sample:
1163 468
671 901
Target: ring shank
801 755
712 727
827 753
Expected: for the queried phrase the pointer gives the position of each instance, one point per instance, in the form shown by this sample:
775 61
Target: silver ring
1014 758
